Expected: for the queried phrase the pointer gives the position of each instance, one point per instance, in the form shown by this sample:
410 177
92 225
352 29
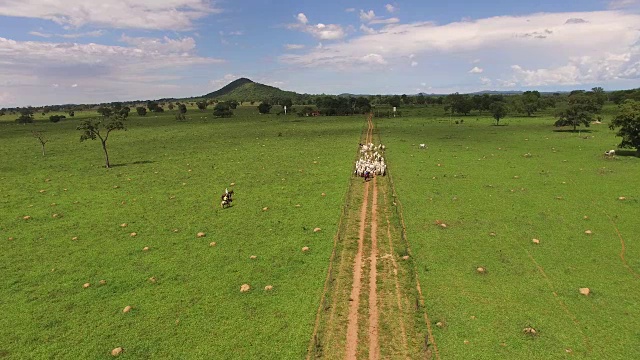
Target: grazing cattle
227 198
609 153
423 146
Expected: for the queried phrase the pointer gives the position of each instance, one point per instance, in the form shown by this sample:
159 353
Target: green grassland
475 178
169 175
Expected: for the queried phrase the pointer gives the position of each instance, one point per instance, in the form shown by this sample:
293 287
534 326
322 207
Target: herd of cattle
371 161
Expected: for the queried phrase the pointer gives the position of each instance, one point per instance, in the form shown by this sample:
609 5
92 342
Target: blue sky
75 51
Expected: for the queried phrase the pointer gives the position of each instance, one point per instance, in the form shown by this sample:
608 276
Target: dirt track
374 319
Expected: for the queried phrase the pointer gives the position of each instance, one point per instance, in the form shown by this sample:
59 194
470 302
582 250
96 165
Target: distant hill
247 90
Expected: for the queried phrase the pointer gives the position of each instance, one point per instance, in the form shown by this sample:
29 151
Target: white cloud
392 20
7 98
374 59
294 46
367 30
476 70
390 8
620 4
236 33
104 72
219 83
350 9
414 63
132 14
97 33
609 54
366 16
485 81
302 18
319 31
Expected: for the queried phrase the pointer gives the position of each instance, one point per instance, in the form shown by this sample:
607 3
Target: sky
79 51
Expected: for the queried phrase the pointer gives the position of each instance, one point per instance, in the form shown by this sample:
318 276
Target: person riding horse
227 198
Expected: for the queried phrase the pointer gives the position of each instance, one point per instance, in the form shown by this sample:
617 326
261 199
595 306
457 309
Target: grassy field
166 186
494 199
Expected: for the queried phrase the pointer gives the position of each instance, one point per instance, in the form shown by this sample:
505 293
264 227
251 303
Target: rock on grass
117 351
86 285
585 291
317 230
127 309
268 288
305 249
245 288
201 234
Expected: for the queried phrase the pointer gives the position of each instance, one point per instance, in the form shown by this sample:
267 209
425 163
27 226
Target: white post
285 109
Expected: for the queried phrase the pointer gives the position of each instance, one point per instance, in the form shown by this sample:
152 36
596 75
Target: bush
222 110
56 118
142 111
264 107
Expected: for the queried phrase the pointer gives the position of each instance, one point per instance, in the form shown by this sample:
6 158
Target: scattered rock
26 217
466 342
265 208
305 249
440 324
586 217
232 184
133 234
127 309
213 243
42 191
201 234
481 270
253 257
146 248
622 198
492 234
115 186
530 331
585 291
443 225
56 216
175 230
74 238
153 279
11 238
47 180
268 288
535 241
245 288
53 204
323 194
588 232
103 282
298 205
406 257
124 225
516 177
86 285
316 230
116 352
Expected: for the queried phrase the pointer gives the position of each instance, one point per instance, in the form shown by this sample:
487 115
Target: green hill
246 90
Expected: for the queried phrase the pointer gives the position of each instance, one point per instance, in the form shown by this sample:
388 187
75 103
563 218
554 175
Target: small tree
41 138
581 111
233 104
180 117
628 120
222 110
498 110
171 106
105 111
182 109
141 110
72 113
202 105
152 105
26 116
100 129
264 107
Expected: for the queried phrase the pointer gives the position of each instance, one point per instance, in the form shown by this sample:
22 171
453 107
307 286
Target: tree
171 106
233 104
531 102
141 110
41 138
125 111
180 117
182 109
222 110
72 113
498 110
152 105
601 96
628 120
287 102
100 129
26 116
105 111
202 105
264 107
581 110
